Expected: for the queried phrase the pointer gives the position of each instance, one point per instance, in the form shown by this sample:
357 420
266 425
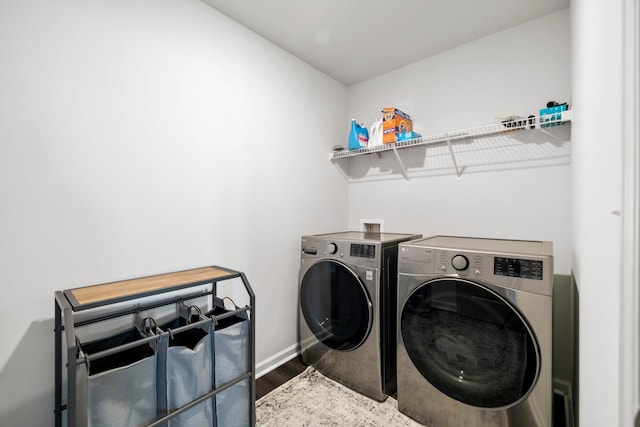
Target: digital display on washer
513 267
363 251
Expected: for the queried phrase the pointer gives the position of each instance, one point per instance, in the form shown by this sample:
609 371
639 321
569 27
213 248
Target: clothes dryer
475 332
347 308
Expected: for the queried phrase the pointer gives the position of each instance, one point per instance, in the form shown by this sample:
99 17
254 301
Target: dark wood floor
279 376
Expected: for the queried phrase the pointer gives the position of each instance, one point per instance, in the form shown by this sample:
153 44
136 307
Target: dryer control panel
360 253
362 250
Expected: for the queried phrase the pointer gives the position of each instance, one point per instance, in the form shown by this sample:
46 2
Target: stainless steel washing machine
475 332
347 308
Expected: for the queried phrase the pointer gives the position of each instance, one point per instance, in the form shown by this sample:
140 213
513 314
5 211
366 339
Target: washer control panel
462 263
528 272
332 248
474 264
518 267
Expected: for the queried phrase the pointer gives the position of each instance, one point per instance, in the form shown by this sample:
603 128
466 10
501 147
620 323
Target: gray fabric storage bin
231 356
233 405
120 389
185 372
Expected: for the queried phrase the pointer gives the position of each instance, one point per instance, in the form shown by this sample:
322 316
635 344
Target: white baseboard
276 360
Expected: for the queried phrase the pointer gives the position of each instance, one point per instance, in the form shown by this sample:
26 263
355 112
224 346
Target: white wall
145 137
132 142
597 34
514 72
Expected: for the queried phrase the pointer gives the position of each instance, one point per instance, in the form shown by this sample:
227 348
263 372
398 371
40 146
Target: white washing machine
347 308
475 332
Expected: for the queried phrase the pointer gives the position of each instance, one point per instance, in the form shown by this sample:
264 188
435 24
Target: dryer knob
460 262
332 248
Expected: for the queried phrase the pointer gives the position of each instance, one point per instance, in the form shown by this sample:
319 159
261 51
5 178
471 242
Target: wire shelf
491 132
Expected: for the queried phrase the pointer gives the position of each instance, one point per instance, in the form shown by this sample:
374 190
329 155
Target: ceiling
354 40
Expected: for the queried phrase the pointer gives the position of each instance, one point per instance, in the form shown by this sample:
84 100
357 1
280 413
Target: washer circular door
470 343
335 305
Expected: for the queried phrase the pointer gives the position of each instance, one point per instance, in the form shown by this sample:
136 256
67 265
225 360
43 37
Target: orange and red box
394 122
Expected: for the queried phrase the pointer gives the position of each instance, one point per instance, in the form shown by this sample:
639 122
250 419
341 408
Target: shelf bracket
402 168
453 157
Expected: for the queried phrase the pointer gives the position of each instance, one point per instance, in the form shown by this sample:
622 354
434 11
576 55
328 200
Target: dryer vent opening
372 225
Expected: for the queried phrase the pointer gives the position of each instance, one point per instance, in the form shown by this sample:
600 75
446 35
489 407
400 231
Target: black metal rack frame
67 304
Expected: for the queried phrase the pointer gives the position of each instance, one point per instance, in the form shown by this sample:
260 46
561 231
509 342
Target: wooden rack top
96 295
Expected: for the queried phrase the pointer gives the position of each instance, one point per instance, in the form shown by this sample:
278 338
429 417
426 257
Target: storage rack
70 302
448 138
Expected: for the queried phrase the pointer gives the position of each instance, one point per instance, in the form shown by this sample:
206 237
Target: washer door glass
335 305
469 343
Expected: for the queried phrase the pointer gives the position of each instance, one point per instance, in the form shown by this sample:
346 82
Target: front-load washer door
335 305
469 343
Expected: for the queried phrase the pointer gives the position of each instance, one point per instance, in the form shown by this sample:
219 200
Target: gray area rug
313 400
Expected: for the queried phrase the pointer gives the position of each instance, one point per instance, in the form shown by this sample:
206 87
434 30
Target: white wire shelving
540 123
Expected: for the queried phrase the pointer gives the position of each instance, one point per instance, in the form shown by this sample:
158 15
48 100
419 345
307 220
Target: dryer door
335 305
470 343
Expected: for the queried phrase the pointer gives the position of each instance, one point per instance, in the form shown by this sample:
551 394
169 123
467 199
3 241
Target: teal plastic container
358 136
